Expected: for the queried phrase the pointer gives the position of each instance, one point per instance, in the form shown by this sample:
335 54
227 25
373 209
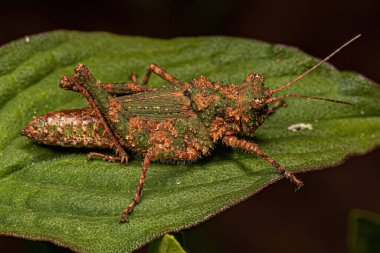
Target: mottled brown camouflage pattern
182 121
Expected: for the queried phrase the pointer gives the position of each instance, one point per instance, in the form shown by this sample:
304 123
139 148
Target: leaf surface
55 194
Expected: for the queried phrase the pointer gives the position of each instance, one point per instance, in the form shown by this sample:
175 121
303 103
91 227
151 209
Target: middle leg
160 72
139 188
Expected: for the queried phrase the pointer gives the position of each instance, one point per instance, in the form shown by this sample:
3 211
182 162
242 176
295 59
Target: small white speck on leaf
300 127
27 39
362 112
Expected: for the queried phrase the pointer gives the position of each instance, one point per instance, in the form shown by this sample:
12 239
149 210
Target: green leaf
364 232
166 244
55 194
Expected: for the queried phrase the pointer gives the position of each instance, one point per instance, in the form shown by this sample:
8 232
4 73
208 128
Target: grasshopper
182 121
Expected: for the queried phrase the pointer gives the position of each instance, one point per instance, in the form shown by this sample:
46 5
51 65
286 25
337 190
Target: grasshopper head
260 96
254 99
252 108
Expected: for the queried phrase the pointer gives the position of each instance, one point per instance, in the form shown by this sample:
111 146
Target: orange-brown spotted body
179 122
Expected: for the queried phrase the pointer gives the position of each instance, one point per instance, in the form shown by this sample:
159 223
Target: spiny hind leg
235 142
124 88
133 87
105 107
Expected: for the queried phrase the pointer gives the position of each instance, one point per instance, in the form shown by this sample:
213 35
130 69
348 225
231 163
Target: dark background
277 219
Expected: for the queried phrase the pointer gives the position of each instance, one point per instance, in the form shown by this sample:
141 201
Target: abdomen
68 128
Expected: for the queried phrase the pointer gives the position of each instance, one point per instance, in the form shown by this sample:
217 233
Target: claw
123 218
294 180
133 77
124 159
89 156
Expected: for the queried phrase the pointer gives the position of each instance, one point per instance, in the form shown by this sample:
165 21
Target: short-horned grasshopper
181 121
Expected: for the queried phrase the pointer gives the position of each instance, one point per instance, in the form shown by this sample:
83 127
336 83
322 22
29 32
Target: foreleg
277 105
235 142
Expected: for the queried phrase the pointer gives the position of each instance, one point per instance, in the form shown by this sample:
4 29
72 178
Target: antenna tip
354 38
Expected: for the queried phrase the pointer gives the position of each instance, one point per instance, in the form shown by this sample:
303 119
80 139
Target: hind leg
106 108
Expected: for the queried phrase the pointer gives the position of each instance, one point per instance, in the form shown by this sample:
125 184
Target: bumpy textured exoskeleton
182 121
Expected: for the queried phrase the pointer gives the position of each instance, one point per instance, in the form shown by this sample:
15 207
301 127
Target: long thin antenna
270 100
316 66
